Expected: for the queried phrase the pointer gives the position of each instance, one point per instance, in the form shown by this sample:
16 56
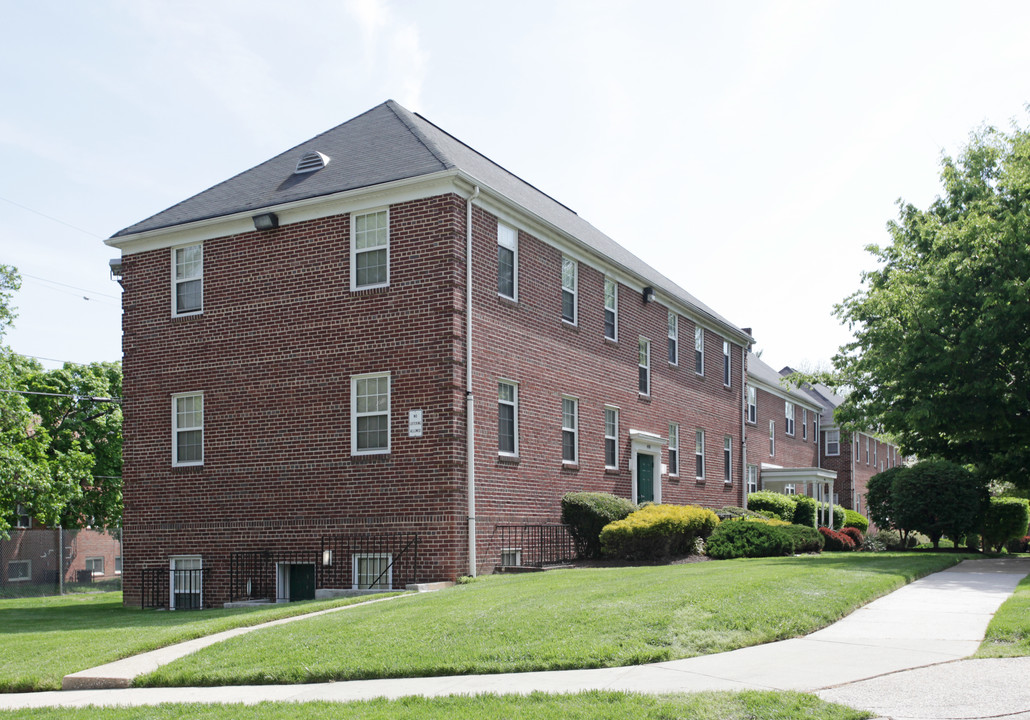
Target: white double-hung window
188 280
507 418
370 414
611 437
644 367
188 429
752 404
674 335
611 309
569 288
569 430
507 261
789 413
370 250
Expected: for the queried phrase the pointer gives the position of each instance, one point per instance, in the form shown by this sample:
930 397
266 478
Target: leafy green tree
936 498
941 355
53 450
1005 518
879 499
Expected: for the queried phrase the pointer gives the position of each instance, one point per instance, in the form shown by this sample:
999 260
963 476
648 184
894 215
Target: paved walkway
865 660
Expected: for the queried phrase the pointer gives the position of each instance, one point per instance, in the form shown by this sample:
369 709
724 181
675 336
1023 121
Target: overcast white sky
748 150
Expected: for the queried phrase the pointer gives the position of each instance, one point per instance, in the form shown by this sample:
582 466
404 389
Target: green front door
302 582
645 478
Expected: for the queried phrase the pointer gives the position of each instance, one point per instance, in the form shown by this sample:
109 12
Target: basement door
295 582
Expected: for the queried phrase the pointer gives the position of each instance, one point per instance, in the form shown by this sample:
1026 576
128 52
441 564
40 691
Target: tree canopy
941 355
60 446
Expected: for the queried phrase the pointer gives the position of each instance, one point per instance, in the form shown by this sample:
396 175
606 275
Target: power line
62 395
69 362
49 217
73 287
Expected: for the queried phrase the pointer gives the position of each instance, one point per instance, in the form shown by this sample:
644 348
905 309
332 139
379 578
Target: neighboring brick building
854 457
783 437
296 347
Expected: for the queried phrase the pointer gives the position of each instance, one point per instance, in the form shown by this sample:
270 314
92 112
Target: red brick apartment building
383 333
854 457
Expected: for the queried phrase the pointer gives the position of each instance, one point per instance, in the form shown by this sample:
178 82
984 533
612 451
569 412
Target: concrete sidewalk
938 619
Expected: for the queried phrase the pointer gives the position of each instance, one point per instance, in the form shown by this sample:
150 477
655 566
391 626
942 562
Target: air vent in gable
311 162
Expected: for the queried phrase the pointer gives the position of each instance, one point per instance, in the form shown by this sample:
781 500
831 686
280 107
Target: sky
749 150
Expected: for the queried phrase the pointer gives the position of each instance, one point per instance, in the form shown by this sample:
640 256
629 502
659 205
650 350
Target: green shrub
1005 518
1018 545
804 511
657 531
879 497
736 538
806 539
586 513
782 506
732 512
936 498
856 520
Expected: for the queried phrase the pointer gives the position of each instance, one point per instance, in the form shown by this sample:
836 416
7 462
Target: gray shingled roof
390 143
821 394
764 373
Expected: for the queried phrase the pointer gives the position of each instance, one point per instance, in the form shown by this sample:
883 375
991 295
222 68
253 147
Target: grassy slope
44 639
561 619
586 706
1008 635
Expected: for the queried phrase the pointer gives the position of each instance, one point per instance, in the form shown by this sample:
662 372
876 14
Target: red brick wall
274 351
528 343
797 451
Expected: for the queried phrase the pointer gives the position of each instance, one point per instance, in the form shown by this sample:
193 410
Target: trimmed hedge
804 511
732 512
586 514
853 519
836 541
782 506
657 531
736 539
806 539
1005 518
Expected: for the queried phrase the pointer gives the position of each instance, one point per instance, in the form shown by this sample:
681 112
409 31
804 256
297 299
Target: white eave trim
293 212
780 392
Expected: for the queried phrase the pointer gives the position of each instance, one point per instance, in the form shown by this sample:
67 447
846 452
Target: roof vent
311 162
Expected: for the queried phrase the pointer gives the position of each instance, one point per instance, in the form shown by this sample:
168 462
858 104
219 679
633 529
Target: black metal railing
366 562
535 545
162 587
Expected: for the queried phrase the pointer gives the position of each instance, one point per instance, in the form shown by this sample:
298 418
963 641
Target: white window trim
514 259
28 575
752 471
171 579
727 365
674 337
93 559
176 281
699 452
614 438
22 518
387 579
772 438
176 429
515 413
512 553
674 447
354 252
789 413
574 429
826 446
699 347
615 310
752 405
727 454
804 423
354 414
644 344
866 449
574 290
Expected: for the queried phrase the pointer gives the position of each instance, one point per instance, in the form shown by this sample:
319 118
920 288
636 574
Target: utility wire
73 287
62 395
49 217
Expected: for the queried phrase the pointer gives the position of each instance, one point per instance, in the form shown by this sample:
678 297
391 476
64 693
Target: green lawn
44 639
1008 635
585 706
562 619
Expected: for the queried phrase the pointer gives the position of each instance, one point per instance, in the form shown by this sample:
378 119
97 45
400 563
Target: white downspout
470 429
743 425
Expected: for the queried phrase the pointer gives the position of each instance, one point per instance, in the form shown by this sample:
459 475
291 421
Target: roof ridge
405 116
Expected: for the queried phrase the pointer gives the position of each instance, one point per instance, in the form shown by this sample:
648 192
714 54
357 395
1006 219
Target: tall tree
941 356
60 454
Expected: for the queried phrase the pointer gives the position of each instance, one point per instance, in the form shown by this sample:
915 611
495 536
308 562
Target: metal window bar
537 544
335 568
